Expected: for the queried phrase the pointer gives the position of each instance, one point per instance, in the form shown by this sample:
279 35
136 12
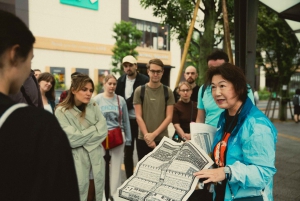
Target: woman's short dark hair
49 78
13 31
233 74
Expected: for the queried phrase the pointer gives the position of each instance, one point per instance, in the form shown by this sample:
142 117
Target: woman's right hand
211 175
151 144
187 136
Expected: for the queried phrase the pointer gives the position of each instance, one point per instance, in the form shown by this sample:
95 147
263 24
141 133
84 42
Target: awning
289 10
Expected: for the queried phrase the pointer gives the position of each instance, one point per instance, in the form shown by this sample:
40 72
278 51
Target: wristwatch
227 171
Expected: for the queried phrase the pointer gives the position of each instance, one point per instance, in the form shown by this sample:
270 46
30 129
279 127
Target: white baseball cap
129 59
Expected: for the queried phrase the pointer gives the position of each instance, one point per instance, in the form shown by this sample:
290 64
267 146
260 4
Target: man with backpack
126 86
208 110
153 105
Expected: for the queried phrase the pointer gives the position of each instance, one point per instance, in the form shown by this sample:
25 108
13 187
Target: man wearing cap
126 85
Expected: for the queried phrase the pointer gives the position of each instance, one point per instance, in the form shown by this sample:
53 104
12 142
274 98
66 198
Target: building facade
76 35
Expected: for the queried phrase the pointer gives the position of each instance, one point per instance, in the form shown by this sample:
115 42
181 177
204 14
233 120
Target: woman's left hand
212 175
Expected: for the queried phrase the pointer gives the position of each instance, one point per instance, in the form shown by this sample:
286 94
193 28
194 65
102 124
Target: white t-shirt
48 108
128 92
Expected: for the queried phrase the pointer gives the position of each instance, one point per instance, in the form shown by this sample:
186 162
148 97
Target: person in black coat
126 85
29 93
36 159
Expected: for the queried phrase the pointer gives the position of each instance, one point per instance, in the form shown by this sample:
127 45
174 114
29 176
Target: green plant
128 37
98 88
264 94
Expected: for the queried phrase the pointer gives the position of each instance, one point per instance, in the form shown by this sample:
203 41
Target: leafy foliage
128 37
178 15
278 51
278 45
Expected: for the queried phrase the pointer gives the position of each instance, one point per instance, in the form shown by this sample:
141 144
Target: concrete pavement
287 178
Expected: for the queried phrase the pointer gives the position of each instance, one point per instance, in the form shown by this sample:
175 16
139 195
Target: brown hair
78 82
233 74
48 77
157 62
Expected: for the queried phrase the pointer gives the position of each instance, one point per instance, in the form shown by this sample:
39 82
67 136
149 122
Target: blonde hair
107 77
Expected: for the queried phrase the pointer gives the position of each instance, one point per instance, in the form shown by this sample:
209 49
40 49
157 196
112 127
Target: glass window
155 36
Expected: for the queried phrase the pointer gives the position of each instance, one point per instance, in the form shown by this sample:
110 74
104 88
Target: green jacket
85 140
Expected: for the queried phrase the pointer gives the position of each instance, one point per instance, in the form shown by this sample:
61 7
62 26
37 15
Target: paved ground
287 178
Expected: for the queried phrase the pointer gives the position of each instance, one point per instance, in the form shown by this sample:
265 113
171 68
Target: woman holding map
244 145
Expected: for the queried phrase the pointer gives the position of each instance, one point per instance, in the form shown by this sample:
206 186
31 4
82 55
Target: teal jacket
85 141
250 153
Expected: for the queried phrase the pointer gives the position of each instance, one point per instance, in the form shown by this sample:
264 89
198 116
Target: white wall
50 18
136 11
262 78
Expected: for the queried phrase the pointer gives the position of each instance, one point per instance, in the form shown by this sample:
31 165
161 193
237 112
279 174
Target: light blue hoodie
250 153
109 109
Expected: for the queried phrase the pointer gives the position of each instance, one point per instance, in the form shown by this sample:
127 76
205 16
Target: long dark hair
78 82
13 31
48 77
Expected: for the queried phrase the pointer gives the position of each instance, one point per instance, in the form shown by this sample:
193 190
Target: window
155 36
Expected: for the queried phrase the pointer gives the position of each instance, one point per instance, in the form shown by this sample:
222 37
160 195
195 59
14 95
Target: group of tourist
60 156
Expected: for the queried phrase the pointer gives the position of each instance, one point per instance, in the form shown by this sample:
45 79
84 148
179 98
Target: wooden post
187 42
227 32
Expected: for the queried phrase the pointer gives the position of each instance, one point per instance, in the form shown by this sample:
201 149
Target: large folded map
166 173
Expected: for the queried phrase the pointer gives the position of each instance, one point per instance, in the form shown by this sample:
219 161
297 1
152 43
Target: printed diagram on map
166 173
203 135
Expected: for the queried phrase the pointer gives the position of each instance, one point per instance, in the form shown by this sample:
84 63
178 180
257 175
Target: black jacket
30 93
36 158
120 90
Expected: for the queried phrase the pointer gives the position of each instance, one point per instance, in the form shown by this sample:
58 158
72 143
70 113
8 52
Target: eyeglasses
156 71
184 90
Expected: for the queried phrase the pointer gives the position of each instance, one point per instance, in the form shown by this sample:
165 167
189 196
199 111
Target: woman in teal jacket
85 126
244 145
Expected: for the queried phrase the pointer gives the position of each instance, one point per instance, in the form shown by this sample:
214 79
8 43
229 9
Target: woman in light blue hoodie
244 145
114 109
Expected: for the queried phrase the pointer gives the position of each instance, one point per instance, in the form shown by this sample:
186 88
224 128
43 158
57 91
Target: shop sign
89 4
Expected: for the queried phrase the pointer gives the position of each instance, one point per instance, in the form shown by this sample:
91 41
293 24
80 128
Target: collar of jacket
242 116
123 77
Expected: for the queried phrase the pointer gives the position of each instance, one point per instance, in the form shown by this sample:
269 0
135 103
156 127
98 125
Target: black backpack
296 99
203 90
142 95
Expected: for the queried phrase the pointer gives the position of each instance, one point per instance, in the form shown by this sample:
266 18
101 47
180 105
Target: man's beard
190 81
130 73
